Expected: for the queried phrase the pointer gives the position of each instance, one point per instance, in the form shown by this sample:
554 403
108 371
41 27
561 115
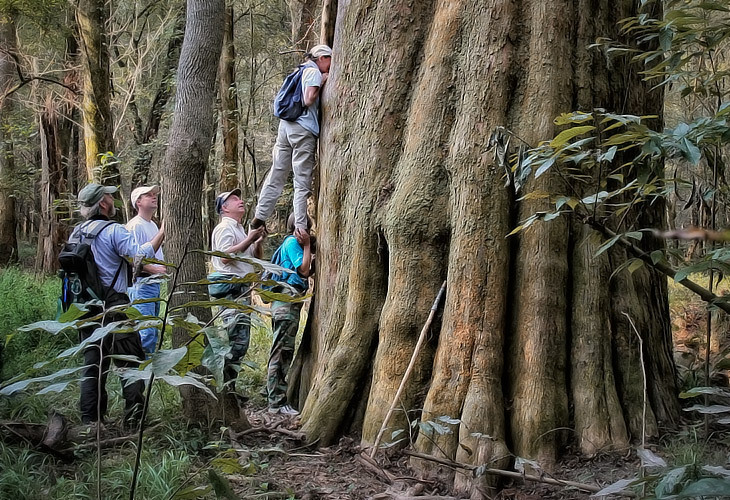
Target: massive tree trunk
186 158
92 17
228 107
8 74
410 196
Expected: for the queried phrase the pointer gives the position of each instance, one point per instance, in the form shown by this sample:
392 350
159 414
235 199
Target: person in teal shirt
295 253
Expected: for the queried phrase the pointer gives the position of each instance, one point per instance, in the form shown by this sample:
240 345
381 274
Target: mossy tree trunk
8 74
228 107
92 17
532 338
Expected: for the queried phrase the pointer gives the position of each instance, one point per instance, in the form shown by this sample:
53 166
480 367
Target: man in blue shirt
111 247
295 254
296 143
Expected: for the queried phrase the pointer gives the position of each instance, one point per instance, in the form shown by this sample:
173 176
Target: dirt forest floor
341 471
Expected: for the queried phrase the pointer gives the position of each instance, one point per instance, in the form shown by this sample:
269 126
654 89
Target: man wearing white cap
144 201
296 144
230 237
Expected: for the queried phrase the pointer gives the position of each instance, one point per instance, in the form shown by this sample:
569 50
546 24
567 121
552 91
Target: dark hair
291 221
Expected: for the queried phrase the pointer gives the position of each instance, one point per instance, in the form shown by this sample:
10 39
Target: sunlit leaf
649 459
566 135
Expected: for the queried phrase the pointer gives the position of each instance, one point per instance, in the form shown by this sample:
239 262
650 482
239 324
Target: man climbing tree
296 142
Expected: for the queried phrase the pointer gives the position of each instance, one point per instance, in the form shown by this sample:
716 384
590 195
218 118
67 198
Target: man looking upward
145 200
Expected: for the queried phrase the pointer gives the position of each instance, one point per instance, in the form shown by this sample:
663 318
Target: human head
144 199
290 223
322 56
229 204
96 199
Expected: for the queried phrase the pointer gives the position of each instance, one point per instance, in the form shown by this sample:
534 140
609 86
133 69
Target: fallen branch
105 443
516 475
374 467
299 436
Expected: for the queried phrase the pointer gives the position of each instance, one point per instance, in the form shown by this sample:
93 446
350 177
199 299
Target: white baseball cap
142 190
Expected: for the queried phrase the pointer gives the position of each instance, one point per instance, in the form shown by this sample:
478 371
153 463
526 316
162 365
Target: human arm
313 82
303 239
254 236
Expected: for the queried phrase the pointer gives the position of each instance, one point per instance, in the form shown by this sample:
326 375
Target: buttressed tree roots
533 348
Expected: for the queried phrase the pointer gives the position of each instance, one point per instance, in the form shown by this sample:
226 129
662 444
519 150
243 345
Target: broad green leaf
58 387
692 152
607 245
22 384
700 391
608 155
214 354
616 487
707 487
635 235
574 117
635 265
52 327
566 135
165 360
227 465
193 492
649 459
669 482
544 166
709 410
595 198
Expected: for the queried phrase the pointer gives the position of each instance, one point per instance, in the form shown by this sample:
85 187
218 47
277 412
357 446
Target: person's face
148 202
107 206
323 63
234 207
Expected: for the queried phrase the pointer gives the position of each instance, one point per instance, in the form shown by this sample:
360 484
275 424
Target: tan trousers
294 150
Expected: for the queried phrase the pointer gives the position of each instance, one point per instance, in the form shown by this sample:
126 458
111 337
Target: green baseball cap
93 193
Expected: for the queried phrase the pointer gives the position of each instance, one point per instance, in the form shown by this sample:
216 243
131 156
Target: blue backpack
289 102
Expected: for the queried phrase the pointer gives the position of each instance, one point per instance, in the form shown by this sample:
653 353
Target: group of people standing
114 245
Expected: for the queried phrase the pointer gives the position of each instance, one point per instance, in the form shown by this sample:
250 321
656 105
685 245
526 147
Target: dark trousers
94 397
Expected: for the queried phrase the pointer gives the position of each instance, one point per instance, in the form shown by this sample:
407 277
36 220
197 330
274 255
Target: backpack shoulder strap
96 227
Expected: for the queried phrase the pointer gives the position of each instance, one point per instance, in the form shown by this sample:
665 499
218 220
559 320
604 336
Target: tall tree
228 106
410 197
186 157
92 17
8 74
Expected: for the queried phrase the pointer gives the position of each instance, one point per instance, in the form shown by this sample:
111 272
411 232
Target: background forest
561 170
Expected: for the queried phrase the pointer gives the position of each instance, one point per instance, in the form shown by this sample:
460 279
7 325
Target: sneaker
284 410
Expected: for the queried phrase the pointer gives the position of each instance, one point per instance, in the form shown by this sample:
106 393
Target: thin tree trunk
228 107
8 73
140 174
92 17
186 158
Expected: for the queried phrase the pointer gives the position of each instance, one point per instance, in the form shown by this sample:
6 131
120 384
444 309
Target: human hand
325 76
302 236
158 269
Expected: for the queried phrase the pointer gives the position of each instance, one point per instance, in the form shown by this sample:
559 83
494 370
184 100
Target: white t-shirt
311 77
227 233
144 231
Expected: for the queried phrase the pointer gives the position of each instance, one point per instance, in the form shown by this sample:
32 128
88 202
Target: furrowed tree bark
228 107
186 158
8 74
91 18
410 194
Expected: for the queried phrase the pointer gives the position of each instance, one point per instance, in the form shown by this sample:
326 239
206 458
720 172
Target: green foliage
26 298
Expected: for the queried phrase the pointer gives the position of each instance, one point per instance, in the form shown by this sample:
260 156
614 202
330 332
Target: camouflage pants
285 323
238 327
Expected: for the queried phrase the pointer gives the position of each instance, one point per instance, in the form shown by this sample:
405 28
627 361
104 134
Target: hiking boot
283 410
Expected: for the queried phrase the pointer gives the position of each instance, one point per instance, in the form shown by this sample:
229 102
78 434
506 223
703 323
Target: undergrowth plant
176 366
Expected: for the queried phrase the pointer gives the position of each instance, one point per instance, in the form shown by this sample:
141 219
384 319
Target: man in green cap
112 246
